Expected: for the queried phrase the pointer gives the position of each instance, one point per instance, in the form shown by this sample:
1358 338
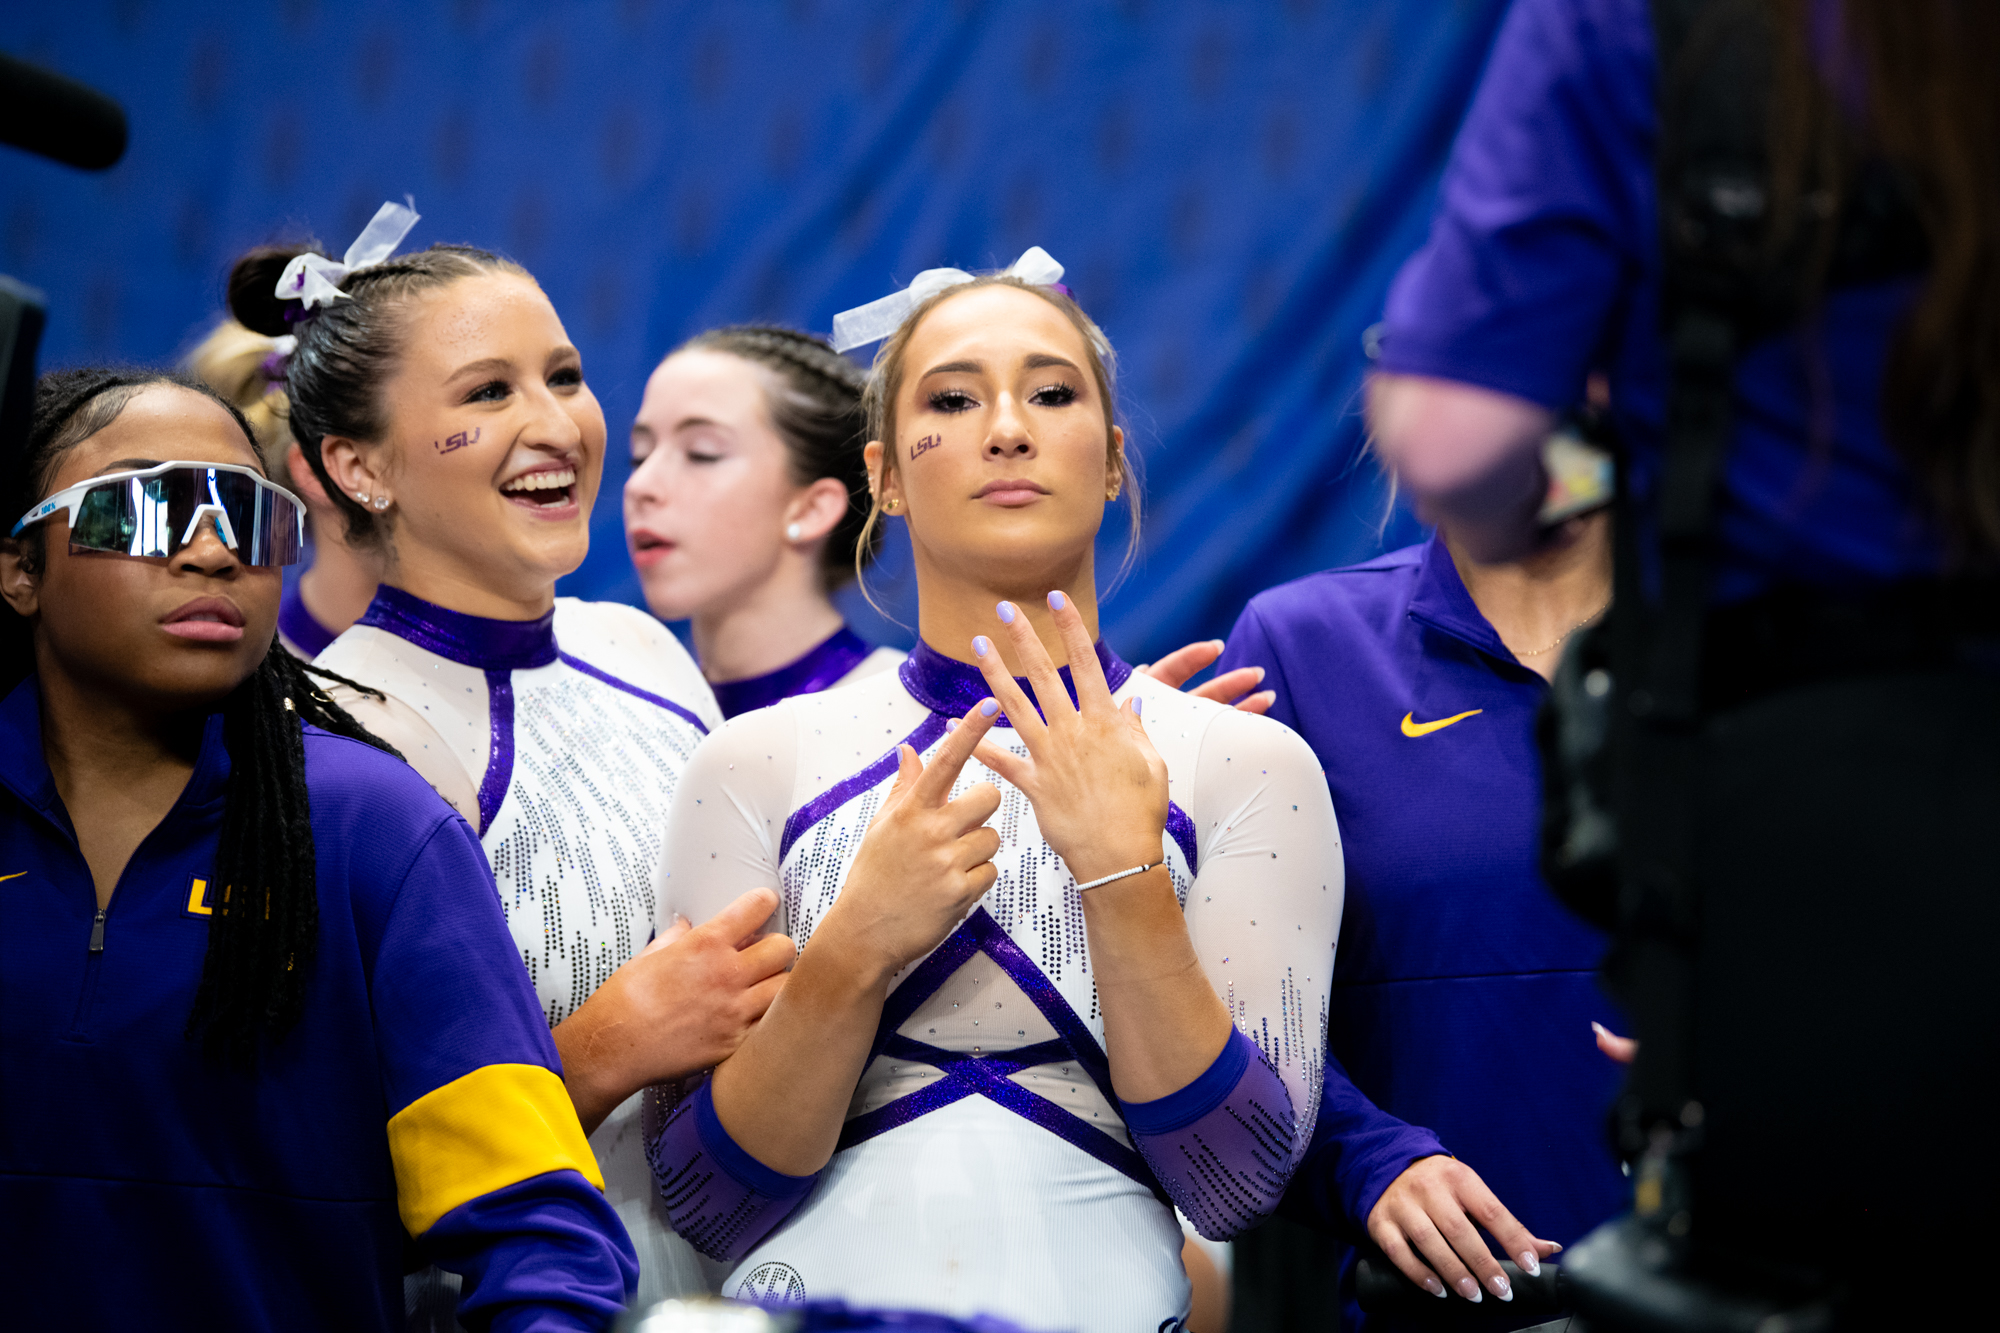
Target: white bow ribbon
315 280
878 319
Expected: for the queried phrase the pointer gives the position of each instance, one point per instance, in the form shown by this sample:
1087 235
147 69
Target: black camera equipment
1751 1134
1381 1289
58 118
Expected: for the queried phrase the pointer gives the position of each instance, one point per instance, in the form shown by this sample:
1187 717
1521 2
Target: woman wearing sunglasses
1044 994
442 406
236 937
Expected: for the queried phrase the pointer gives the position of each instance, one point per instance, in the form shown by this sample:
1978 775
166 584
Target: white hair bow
315 280
878 319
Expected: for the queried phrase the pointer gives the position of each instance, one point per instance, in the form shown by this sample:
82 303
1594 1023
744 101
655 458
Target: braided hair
253 979
815 406
347 350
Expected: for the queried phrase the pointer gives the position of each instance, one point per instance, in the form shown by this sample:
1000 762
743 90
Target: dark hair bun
253 286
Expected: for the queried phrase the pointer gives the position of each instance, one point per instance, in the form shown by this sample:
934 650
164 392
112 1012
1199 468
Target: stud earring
791 532
1111 493
381 502
361 496
891 505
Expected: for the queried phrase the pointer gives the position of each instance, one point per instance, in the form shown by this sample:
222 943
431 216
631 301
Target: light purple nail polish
951 724
1137 705
1529 1263
1057 601
981 645
988 707
1006 610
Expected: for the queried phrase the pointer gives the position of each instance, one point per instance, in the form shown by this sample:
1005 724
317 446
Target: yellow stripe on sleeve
495 1126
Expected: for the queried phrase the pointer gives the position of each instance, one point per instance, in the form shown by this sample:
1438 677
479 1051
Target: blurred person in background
443 408
1005 1045
226 1118
336 586
1841 860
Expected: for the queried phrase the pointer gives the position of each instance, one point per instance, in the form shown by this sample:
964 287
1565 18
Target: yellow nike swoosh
16 875
1413 729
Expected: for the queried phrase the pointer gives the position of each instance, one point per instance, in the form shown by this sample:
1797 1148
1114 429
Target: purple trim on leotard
1181 829
476 641
986 1074
946 686
301 626
500 750
830 800
596 673
1223 1145
719 1198
818 670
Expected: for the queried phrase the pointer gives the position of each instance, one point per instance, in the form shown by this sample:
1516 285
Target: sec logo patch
772 1282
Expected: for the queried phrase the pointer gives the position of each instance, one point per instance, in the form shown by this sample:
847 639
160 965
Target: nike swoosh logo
1414 729
16 875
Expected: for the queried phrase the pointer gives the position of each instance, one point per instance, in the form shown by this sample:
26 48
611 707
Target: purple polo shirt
1463 992
1543 265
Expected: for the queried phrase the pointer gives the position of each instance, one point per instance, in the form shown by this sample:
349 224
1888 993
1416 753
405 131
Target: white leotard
562 741
972 1206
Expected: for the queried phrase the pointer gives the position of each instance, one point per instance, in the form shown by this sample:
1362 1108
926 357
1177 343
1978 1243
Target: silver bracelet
1122 874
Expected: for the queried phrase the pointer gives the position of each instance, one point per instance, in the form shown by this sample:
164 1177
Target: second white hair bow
315 280
878 319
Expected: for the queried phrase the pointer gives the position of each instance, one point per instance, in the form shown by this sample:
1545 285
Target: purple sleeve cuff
542 1255
718 1197
1357 1150
1222 1147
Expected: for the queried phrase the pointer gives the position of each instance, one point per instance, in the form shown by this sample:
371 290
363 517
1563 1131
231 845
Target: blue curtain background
1231 186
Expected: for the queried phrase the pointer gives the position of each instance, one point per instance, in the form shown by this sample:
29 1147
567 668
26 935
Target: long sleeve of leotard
722 839
1263 913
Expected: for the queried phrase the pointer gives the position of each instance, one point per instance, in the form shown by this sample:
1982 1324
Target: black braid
819 415
253 979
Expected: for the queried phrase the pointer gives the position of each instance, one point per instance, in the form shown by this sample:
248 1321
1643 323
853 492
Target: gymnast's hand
1098 787
683 1005
1434 1212
1231 688
925 860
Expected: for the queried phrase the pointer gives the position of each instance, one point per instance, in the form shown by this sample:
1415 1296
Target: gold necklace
1557 641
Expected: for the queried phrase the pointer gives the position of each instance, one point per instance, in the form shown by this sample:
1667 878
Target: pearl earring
791 532
361 496
381 502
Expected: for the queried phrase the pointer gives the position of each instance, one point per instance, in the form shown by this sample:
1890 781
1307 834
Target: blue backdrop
1230 185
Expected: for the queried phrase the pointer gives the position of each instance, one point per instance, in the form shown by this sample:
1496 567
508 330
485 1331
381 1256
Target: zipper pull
97 932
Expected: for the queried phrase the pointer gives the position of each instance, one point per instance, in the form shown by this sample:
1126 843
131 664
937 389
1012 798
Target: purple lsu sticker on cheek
458 441
925 445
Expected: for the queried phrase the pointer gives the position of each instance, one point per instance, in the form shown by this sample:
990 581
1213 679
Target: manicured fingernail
951 724
1138 704
1260 674
1006 610
988 707
1600 1029
1500 1286
1057 601
1434 1287
981 645
1559 1249
1470 1290
1530 1264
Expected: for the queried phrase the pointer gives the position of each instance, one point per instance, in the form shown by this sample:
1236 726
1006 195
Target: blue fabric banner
1231 187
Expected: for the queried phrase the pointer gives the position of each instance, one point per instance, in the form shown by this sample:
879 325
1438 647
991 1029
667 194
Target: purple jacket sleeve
1357 1149
718 1197
1222 1147
542 1255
